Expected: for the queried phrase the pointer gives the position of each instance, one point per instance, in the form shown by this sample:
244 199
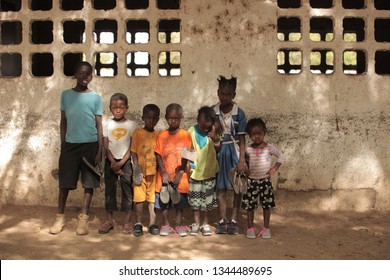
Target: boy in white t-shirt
117 134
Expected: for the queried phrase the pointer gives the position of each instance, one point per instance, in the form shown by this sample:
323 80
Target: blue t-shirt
80 109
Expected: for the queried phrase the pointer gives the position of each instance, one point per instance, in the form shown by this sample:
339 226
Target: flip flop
174 193
137 174
164 194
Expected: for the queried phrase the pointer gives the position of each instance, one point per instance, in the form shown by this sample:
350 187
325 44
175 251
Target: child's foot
232 228
265 233
137 230
181 231
206 230
105 227
165 230
58 224
82 227
153 229
221 227
194 229
251 233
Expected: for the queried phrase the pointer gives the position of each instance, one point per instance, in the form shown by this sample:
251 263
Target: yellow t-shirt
143 144
206 165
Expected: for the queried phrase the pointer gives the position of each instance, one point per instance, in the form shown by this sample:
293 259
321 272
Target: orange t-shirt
169 147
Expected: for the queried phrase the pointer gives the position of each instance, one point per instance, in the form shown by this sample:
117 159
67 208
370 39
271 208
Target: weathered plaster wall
332 128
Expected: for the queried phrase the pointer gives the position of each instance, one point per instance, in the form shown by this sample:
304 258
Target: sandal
127 228
137 231
106 227
153 229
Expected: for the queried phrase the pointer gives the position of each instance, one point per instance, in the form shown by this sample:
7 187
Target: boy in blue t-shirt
81 136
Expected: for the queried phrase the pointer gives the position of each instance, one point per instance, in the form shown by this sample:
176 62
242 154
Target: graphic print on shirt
119 132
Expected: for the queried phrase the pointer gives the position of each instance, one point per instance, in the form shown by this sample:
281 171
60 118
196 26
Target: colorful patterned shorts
258 189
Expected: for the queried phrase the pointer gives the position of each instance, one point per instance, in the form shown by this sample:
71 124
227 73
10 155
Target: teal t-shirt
80 109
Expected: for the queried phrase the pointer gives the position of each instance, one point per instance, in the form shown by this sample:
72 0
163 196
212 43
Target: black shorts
71 164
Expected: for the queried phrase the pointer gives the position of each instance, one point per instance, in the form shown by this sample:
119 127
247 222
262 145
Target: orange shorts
146 191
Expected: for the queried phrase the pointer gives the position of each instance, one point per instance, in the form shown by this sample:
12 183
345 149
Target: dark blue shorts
183 203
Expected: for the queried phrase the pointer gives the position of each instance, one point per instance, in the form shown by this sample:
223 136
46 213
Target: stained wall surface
331 118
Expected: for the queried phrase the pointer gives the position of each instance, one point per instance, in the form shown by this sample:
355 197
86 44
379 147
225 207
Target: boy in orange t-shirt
172 168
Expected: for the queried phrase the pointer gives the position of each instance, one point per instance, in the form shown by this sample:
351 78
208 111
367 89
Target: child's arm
279 159
109 155
99 127
241 166
116 165
63 127
216 139
164 174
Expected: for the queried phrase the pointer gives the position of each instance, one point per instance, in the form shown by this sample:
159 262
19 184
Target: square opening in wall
74 31
353 29
169 31
11 32
168 4
70 60
106 64
321 29
289 61
42 32
286 4
137 4
104 4
169 63
321 4
42 64
10 5
353 4
354 62
382 62
106 31
382 4
41 5
138 64
289 29
72 5
382 29
322 61
137 32
10 64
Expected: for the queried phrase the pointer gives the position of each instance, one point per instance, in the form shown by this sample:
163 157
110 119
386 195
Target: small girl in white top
259 158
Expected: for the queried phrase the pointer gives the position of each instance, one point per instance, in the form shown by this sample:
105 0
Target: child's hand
165 177
177 179
241 167
115 166
218 127
119 172
272 171
213 135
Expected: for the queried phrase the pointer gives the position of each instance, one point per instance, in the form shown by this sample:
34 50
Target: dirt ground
295 235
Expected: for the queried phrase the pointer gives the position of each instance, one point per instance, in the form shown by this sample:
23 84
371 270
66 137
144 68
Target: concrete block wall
333 128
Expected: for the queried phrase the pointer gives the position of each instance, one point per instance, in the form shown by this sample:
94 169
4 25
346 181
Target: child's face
118 109
257 134
226 95
150 119
83 75
205 125
173 119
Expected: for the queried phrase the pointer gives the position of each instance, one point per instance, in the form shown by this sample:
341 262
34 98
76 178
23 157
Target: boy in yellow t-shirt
142 152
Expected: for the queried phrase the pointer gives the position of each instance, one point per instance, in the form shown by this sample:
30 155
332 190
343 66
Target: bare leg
152 214
88 193
266 216
221 197
139 206
206 218
196 216
62 197
165 217
127 217
236 205
178 216
250 217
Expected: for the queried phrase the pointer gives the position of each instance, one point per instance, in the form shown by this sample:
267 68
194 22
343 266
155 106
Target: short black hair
232 82
174 107
82 63
207 113
151 108
255 122
119 96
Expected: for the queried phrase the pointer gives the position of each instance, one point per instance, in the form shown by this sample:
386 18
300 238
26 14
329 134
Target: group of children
172 168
